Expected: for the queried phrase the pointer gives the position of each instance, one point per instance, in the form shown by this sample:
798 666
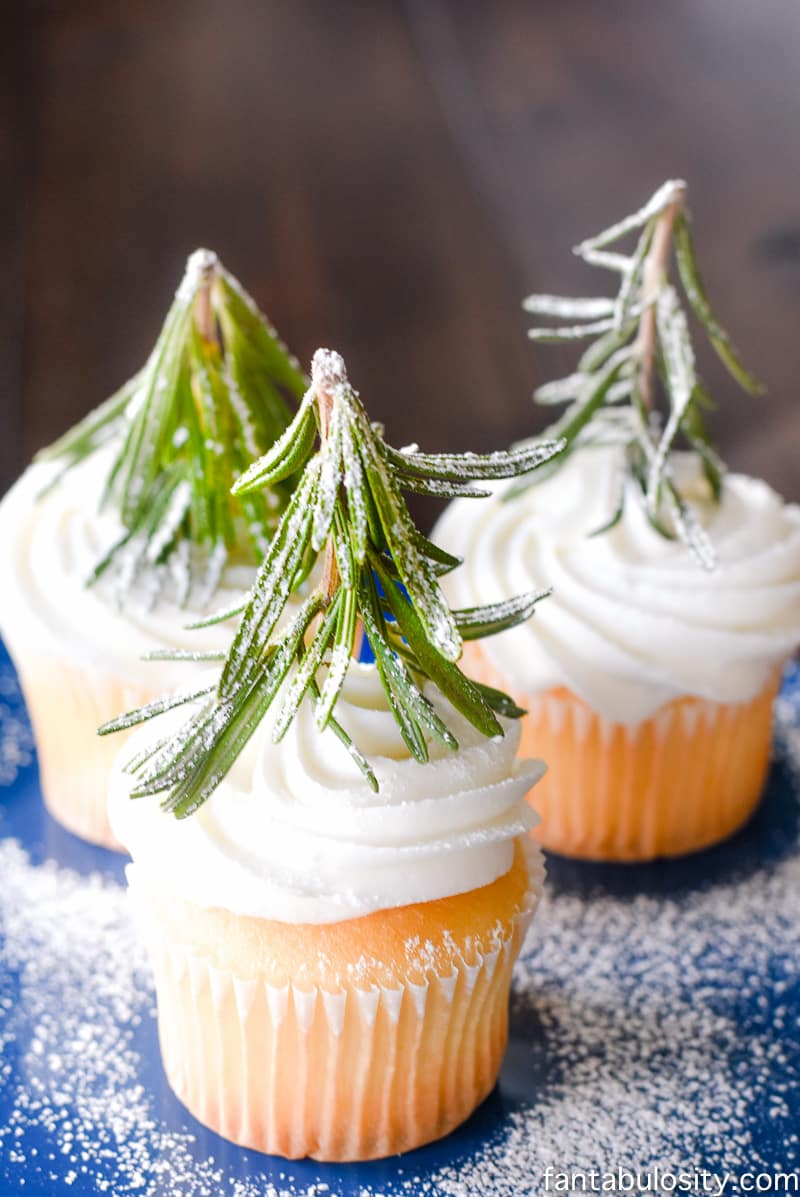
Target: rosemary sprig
218 389
379 571
640 338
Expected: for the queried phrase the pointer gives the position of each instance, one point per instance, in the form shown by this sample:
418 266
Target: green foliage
218 389
639 336
347 512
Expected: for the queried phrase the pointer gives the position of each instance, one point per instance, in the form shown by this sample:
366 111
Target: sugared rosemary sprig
379 571
638 338
218 389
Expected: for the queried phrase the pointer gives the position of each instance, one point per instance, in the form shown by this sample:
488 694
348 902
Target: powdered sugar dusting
654 1030
198 267
16 738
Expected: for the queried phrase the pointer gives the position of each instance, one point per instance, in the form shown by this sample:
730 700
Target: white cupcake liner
355 1073
67 702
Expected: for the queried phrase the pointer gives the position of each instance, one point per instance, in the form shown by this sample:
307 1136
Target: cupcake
649 675
331 860
124 532
648 682
333 964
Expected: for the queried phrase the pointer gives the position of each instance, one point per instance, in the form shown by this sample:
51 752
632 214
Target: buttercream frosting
295 833
49 544
634 620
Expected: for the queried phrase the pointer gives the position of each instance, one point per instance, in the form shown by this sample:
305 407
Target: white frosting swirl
634 620
49 546
296 834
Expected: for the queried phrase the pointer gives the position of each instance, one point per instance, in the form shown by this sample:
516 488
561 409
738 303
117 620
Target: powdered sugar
660 1029
199 266
16 738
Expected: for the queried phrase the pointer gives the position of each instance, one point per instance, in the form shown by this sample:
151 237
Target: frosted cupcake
333 965
649 674
124 532
334 915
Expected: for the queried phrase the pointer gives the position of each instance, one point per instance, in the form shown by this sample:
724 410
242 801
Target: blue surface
527 1073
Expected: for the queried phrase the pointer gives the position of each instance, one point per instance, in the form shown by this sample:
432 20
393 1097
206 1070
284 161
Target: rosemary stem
330 574
655 267
203 311
358 640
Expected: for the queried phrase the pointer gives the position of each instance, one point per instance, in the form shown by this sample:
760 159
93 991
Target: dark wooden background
390 179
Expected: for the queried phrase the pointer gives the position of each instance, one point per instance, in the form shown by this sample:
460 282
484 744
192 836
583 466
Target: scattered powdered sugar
648 1065
654 1030
74 990
16 737
787 716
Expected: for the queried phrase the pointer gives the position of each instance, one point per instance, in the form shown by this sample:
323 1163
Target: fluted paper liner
360 1071
682 780
67 702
